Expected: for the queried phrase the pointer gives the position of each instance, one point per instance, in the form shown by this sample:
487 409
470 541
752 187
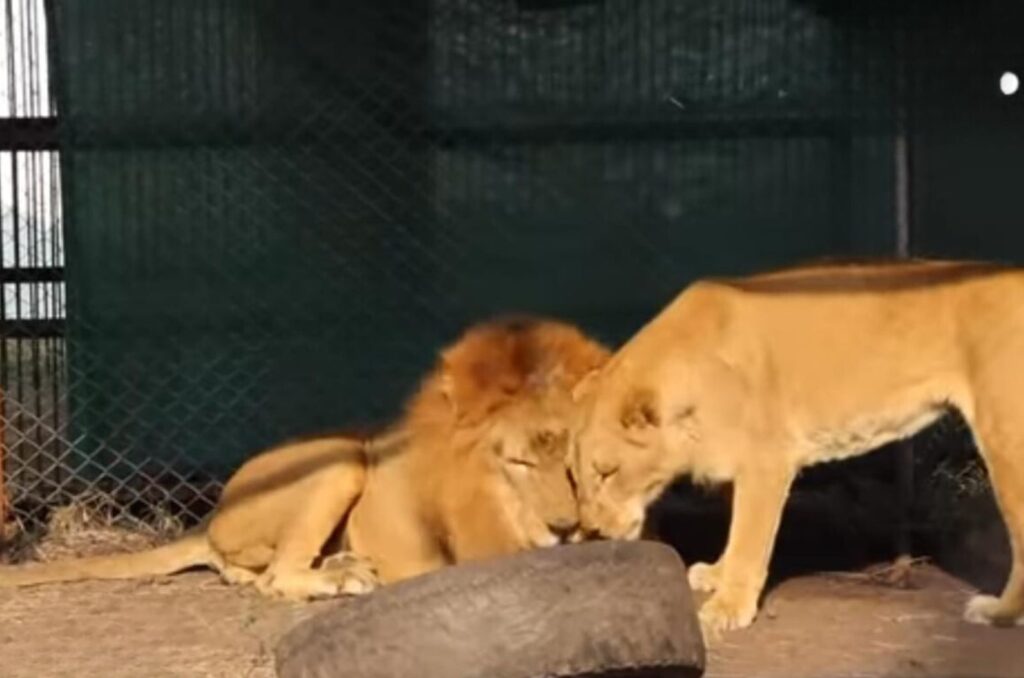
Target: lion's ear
448 388
640 410
585 386
474 387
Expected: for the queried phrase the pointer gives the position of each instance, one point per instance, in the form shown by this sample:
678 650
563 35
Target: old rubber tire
612 608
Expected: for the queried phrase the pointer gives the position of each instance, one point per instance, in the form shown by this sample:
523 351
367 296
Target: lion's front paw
343 576
991 611
294 586
726 611
704 576
238 576
354 575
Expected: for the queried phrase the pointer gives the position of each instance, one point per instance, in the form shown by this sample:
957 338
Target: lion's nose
564 528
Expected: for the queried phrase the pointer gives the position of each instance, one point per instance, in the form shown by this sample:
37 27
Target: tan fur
749 380
476 468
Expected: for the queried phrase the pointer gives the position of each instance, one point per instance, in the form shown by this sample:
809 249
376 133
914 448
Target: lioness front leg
704 577
739 575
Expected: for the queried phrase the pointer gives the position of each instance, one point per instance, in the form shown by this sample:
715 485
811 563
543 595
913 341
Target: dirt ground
191 625
830 613
848 625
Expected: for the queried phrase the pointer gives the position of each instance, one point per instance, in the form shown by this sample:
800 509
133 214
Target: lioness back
856 336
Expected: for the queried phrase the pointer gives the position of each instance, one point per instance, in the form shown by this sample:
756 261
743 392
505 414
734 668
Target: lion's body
429 492
749 380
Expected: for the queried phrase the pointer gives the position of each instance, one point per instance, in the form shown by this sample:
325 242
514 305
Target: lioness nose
563 528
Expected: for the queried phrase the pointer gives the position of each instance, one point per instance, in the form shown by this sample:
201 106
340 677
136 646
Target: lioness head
618 460
506 387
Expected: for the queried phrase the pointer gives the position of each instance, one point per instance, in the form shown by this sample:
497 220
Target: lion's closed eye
520 463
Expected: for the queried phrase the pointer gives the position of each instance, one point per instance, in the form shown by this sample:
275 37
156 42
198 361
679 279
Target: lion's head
501 399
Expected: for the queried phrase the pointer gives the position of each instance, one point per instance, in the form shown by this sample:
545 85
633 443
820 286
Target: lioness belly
867 433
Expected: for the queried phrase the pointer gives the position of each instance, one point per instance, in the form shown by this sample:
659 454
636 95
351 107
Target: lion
476 468
749 380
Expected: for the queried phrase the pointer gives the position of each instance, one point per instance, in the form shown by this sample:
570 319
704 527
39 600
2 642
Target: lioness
476 468
748 380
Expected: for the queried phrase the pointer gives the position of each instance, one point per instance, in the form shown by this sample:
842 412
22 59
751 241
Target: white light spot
1009 83
675 102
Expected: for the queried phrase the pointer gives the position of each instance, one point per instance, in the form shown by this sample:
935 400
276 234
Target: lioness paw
990 611
703 576
726 612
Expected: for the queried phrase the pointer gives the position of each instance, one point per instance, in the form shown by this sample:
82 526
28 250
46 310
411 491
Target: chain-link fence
230 221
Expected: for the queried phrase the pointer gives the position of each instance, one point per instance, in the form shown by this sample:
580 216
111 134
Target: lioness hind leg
1008 608
1002 447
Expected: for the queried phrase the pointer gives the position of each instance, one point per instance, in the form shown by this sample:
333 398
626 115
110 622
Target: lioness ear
640 410
586 385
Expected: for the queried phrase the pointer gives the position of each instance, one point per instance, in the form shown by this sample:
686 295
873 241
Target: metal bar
29 134
902 196
32 329
32 274
529 129
905 448
725 127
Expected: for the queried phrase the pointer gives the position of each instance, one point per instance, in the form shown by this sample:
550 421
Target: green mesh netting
277 211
